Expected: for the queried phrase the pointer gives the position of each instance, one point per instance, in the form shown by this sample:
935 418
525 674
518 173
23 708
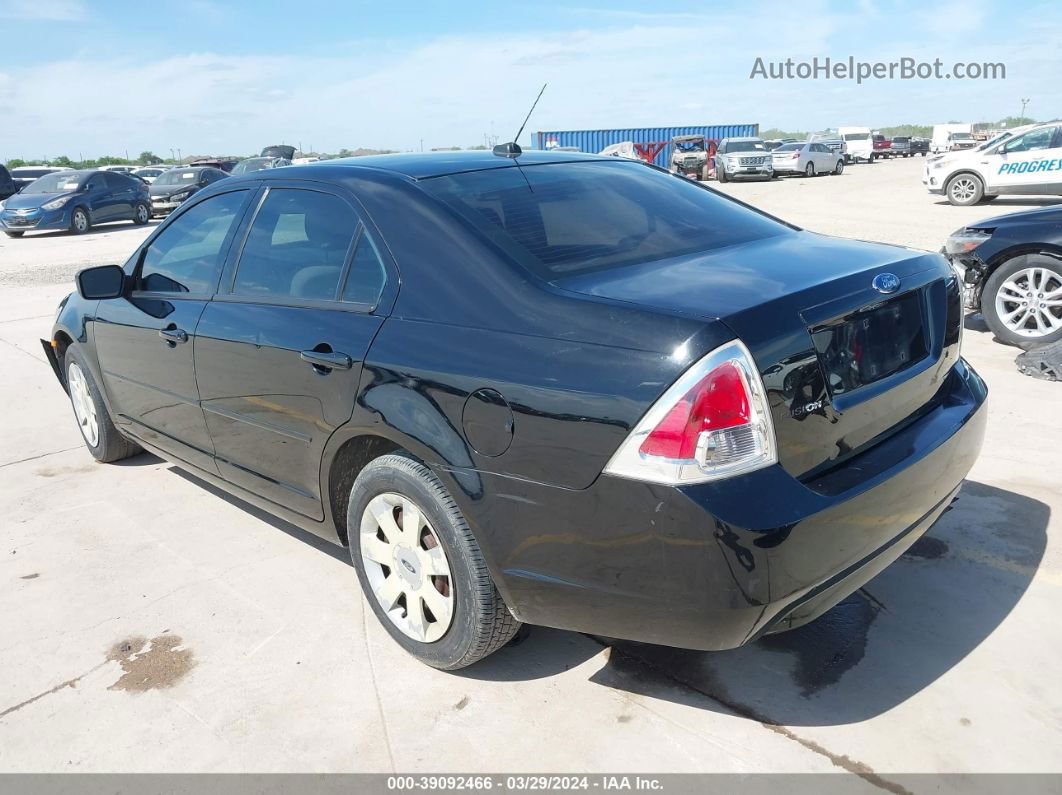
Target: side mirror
105 281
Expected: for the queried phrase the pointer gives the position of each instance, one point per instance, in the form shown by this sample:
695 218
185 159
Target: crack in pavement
36 457
71 683
846 763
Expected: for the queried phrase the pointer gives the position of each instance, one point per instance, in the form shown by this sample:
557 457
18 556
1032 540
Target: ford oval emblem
886 283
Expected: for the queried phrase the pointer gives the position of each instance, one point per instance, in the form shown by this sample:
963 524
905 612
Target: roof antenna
513 149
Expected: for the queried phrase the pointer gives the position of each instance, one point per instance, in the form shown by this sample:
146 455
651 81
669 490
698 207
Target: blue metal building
596 140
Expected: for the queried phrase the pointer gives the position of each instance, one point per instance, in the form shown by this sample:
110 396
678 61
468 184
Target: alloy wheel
963 189
1029 303
84 407
406 566
80 221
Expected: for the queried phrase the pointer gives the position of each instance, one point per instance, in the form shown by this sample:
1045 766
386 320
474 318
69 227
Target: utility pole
1021 118
179 158
422 144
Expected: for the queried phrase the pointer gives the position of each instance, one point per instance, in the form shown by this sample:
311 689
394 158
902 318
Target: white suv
1029 163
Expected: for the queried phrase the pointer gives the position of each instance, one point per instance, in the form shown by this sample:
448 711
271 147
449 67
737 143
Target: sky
87 78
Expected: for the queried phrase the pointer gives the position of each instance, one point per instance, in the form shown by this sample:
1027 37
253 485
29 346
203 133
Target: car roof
424 165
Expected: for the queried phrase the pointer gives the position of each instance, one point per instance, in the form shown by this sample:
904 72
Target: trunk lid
843 363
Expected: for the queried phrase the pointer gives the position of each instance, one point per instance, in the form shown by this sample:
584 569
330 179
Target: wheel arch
1001 258
344 465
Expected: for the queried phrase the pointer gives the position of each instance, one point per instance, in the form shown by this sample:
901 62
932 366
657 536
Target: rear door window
297 246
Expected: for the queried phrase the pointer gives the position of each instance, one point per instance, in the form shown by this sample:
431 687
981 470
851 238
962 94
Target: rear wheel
141 214
101 437
1022 300
420 567
79 221
14 234
964 190
810 170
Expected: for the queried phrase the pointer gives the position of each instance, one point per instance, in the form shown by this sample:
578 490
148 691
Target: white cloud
54 10
451 90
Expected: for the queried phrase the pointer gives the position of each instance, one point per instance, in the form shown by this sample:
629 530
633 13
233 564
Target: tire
839 168
720 174
1003 293
480 623
964 190
103 440
705 171
14 234
79 221
141 214
809 171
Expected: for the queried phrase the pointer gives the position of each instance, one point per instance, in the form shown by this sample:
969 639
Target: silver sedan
806 158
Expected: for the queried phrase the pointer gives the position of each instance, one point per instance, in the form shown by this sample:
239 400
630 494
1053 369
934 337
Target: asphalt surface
152 623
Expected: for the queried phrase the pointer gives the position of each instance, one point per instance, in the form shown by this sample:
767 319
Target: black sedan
1012 269
553 388
174 186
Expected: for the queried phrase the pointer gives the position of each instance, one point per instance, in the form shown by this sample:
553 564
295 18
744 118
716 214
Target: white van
858 143
952 138
1028 163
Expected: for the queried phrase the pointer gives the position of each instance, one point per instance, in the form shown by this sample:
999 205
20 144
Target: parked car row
38 198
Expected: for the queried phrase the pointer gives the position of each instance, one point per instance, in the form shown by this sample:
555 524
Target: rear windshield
57 182
563 219
252 164
856 136
177 177
31 173
789 147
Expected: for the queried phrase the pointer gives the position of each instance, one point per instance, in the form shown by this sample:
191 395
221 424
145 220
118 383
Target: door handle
173 335
330 360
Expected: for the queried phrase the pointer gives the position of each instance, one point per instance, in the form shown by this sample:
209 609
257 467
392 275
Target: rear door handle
329 361
174 335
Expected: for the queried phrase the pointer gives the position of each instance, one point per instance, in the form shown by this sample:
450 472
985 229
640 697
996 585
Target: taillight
712 423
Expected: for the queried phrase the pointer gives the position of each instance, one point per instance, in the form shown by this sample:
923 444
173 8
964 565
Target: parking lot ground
155 624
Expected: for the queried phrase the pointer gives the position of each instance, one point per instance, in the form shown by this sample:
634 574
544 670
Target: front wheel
421 568
720 174
1022 300
79 222
141 214
964 190
101 437
14 234
839 168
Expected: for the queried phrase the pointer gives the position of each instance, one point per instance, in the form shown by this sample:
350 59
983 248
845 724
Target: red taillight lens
713 422
718 401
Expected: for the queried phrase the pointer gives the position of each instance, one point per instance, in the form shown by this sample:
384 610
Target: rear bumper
716 565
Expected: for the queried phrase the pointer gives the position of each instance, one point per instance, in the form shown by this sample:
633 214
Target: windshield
569 218
690 146
58 182
177 177
252 164
148 172
856 136
900 140
745 146
961 136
